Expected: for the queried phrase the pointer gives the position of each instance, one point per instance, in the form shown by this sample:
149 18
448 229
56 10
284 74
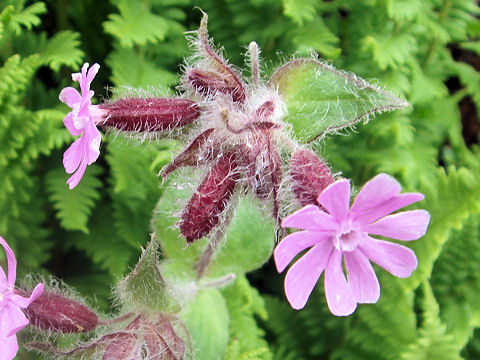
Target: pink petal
12 263
396 259
3 281
12 320
291 245
70 125
70 96
336 199
310 217
407 225
361 277
73 156
23 302
92 72
74 180
303 275
340 298
372 214
92 138
375 191
9 346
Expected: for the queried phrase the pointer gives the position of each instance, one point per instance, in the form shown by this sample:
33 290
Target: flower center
346 241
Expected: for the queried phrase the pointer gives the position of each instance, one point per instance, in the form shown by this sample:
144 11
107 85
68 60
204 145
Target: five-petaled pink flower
81 122
344 232
12 318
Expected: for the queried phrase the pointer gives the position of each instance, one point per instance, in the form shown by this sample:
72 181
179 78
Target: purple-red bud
193 154
59 313
162 341
205 207
266 109
211 82
309 175
149 115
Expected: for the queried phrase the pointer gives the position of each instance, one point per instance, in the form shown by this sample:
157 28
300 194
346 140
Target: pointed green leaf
206 319
321 99
144 288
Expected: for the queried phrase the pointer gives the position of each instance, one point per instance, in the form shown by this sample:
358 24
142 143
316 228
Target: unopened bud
210 82
148 115
59 313
205 207
193 154
162 341
310 176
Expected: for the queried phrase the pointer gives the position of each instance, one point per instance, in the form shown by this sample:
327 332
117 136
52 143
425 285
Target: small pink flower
12 319
81 122
342 233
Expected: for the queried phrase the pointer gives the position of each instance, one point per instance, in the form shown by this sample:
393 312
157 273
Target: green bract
144 288
321 99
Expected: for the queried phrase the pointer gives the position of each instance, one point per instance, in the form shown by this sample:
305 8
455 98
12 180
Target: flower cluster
12 319
235 129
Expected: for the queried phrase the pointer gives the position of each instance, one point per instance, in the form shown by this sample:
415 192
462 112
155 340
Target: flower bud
192 155
58 313
205 207
148 115
162 341
210 82
309 176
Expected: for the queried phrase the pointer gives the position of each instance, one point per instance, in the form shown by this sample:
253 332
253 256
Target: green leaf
249 241
74 206
62 49
135 25
144 288
321 99
300 10
206 319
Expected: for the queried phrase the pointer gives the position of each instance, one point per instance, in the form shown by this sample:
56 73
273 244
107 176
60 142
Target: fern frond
300 11
18 17
244 302
136 24
62 49
433 341
74 207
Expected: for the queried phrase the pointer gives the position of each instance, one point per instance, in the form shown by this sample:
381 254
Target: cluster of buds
234 129
136 336
237 130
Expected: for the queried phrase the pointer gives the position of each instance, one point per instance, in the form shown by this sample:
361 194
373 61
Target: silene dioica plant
250 141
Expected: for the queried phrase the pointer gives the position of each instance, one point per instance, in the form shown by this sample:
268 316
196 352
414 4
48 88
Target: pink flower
343 233
12 319
81 122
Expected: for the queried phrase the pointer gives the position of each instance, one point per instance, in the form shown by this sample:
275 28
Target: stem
205 260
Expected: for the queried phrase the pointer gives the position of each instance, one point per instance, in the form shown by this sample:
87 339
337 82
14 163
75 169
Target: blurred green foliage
426 51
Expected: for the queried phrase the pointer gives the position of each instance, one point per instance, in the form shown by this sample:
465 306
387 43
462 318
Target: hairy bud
58 313
125 345
162 341
203 210
309 175
210 82
149 115
192 155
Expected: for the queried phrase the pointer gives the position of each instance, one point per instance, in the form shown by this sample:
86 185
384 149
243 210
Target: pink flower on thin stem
12 319
342 234
81 121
